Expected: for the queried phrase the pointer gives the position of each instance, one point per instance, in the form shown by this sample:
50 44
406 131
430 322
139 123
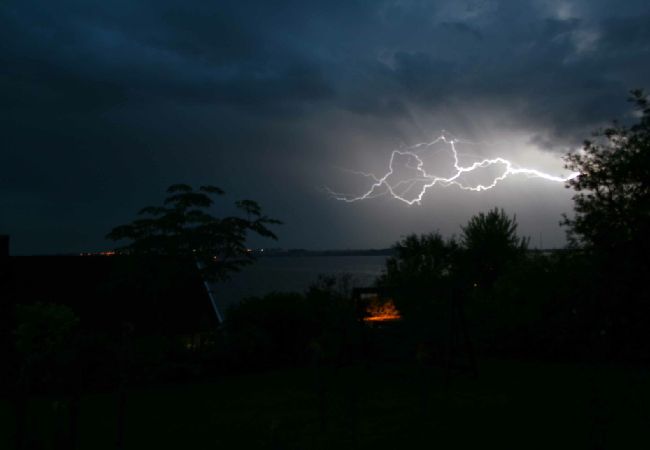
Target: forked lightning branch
411 188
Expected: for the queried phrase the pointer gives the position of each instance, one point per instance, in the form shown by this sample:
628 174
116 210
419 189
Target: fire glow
382 311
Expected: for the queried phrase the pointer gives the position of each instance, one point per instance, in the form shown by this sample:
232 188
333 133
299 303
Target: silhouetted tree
490 242
420 260
612 203
419 270
184 227
611 223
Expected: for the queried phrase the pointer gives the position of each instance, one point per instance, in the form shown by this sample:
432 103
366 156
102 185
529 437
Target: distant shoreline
304 252
362 252
297 252
257 252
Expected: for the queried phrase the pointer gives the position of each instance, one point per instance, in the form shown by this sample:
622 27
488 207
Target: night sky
104 104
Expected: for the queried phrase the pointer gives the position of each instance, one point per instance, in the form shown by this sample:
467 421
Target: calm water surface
295 274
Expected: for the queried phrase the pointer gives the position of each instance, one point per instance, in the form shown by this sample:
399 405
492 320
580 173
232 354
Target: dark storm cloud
103 103
85 56
559 76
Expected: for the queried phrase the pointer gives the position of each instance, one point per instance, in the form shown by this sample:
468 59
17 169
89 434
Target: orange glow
379 311
105 253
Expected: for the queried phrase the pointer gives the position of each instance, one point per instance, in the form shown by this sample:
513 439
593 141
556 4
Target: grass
526 405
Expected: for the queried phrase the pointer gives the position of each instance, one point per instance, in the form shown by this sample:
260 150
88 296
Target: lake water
295 274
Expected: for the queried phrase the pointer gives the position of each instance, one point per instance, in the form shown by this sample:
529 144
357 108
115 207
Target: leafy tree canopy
612 203
492 232
183 226
420 260
490 242
487 243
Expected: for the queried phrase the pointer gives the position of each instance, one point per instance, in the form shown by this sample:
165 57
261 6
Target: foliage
427 268
281 328
43 329
419 273
419 269
611 223
420 260
46 342
183 226
612 203
427 272
490 242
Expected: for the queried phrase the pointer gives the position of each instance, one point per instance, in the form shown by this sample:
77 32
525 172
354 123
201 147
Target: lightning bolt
398 189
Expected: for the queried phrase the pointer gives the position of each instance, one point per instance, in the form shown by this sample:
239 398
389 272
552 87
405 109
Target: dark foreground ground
511 405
